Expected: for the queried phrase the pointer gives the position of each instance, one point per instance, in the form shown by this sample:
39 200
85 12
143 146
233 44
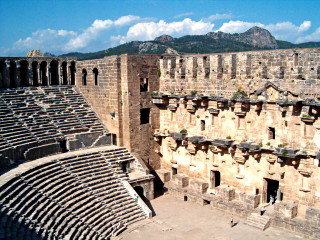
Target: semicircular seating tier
45 116
74 195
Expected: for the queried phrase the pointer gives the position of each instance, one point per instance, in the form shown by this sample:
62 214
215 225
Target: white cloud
217 16
238 26
151 30
281 31
99 27
89 34
99 36
59 41
46 39
313 37
183 15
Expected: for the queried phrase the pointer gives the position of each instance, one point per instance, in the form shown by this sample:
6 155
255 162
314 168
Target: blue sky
61 26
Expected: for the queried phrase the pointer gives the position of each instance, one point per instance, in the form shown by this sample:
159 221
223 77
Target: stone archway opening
35 76
43 73
72 70
271 188
64 74
24 73
54 75
139 190
13 74
84 77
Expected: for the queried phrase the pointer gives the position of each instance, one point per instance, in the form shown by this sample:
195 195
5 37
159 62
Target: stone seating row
43 113
52 201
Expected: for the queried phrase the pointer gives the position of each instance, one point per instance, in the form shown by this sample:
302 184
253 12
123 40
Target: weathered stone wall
117 98
222 74
240 165
105 96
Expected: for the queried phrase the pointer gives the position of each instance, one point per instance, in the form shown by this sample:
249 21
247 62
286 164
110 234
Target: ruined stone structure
233 130
228 129
62 177
36 71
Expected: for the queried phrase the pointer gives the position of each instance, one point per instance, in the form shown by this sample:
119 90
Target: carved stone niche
257 155
222 104
204 102
258 106
245 106
157 138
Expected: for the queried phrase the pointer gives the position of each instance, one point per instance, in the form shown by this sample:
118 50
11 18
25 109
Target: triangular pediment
272 92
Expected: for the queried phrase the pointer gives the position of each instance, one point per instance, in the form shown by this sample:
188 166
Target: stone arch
24 73
13 74
95 74
53 73
43 73
84 77
72 69
64 73
35 75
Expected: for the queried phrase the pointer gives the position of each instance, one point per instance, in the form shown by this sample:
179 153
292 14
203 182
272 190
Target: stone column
68 73
60 73
17 78
30 75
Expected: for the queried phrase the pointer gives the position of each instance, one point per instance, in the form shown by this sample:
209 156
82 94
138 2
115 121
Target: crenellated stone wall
222 74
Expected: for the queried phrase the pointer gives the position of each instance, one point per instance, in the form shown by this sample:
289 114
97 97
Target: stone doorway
215 178
139 191
271 187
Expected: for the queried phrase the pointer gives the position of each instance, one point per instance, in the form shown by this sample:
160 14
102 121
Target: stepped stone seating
75 195
37 116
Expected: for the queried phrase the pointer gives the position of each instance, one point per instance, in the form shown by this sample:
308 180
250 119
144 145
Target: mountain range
255 38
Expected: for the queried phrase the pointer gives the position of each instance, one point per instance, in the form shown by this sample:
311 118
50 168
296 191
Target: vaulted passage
24 73
72 70
43 73
64 74
13 74
54 75
35 75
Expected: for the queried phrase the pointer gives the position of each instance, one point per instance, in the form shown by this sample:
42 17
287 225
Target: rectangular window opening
144 84
144 115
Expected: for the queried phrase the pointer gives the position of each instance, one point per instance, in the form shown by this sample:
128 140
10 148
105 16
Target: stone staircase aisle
258 221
